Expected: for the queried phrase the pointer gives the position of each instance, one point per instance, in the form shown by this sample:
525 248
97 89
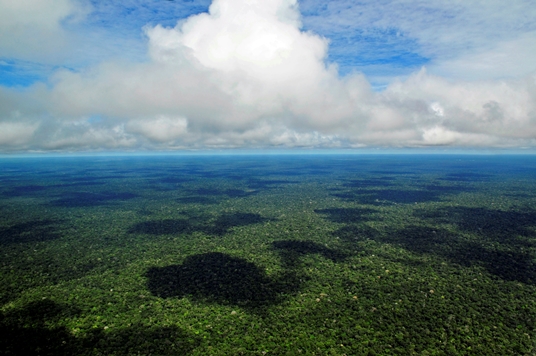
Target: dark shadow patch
238 193
216 227
31 231
427 193
44 270
501 259
267 184
502 226
346 215
163 227
291 173
448 189
79 184
520 195
83 179
26 331
145 212
9 179
92 178
39 313
292 250
424 240
218 278
235 177
502 242
389 172
86 199
398 196
319 172
231 193
197 200
225 222
508 265
25 190
208 192
507 261
371 182
174 180
220 173
466 177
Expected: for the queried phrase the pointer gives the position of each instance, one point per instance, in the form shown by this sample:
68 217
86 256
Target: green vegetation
271 256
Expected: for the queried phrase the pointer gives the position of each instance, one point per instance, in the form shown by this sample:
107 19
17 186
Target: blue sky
113 25
107 29
372 51
173 75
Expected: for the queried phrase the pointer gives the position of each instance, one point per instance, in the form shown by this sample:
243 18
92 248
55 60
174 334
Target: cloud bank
31 29
245 75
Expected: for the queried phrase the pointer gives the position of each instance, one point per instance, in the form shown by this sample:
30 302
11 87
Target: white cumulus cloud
32 29
245 74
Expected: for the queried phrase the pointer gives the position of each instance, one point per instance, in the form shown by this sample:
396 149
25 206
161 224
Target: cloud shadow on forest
219 278
26 331
231 193
466 177
25 190
87 199
424 193
510 227
502 241
197 200
291 251
216 277
30 231
219 226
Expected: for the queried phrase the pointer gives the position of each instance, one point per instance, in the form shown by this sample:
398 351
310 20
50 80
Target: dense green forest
268 255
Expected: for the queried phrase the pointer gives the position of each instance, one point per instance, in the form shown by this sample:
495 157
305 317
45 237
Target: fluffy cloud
15 133
31 29
245 75
162 129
